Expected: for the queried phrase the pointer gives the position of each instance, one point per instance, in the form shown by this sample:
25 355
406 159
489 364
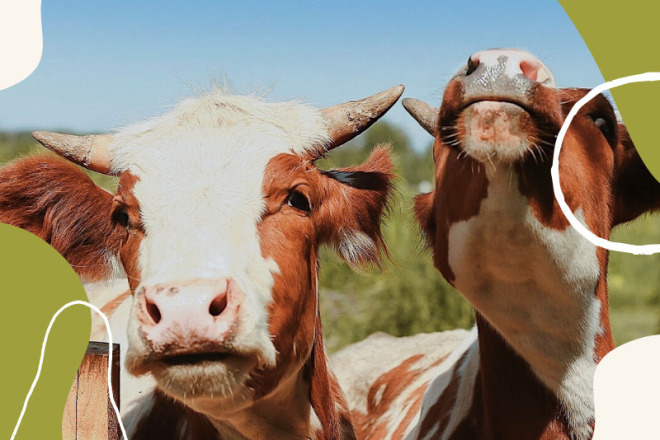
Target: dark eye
121 217
603 125
299 201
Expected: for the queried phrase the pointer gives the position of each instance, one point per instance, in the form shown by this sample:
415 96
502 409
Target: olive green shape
623 38
35 281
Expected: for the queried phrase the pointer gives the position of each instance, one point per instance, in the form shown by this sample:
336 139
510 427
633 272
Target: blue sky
109 63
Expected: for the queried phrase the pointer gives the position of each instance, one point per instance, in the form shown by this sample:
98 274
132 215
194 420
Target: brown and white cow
217 222
539 289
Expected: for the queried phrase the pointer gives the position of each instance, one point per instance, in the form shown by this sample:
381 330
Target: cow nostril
218 305
153 311
472 64
530 69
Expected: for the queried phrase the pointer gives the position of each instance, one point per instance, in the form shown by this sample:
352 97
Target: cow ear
352 213
59 203
424 214
636 190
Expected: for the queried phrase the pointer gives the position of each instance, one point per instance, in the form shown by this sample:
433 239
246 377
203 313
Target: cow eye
299 201
121 217
603 125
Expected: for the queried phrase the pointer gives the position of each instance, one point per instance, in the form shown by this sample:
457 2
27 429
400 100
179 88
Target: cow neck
285 414
508 398
307 406
540 336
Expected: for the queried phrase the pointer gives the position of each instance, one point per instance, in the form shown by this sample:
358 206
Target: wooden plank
114 433
69 419
92 412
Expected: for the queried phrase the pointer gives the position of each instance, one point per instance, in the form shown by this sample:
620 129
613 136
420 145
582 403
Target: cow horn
347 120
91 152
426 115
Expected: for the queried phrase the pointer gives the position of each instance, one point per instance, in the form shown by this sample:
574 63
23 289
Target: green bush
634 282
409 296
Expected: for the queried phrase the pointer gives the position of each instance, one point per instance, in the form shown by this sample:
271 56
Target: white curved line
647 249
41 361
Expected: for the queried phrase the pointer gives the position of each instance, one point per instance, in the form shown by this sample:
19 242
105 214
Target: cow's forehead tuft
199 182
203 122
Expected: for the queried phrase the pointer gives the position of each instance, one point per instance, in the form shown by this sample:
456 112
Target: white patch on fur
464 396
576 388
314 422
536 286
357 373
117 271
200 169
356 245
183 429
442 376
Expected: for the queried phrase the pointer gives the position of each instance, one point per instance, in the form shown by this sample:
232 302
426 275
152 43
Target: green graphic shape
35 281
622 38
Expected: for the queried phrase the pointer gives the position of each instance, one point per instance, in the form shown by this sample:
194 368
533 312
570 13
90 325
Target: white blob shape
647 249
21 41
626 389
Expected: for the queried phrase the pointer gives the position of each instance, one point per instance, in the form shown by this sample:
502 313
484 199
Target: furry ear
636 191
424 215
56 201
355 202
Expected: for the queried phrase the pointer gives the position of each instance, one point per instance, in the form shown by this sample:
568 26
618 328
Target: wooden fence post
88 414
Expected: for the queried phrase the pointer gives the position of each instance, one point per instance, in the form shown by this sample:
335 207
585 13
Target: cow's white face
192 188
217 221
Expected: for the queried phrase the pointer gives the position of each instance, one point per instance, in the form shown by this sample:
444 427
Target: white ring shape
647 249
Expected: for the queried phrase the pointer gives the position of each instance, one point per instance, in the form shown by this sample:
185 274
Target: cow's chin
217 380
495 132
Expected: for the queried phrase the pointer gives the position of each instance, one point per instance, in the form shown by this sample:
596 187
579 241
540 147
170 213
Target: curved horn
426 115
347 120
91 151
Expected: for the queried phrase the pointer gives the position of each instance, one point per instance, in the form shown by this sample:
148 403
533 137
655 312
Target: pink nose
201 313
515 62
530 68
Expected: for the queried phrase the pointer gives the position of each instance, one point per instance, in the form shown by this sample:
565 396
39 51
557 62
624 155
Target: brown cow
217 222
539 289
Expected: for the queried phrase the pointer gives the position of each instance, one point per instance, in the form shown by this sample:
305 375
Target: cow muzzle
195 338
189 322
500 106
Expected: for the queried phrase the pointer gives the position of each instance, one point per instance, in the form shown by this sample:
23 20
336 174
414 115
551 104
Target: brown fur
167 418
437 211
440 411
356 209
325 394
56 201
372 425
635 189
292 237
134 233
